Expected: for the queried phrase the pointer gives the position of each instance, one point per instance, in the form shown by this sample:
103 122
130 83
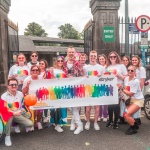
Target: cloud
51 14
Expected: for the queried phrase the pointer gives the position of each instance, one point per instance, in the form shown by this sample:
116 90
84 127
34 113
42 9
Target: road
105 139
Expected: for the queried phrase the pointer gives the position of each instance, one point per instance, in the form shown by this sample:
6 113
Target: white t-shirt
69 65
42 74
21 72
59 73
30 79
94 70
134 87
11 100
119 69
141 73
30 64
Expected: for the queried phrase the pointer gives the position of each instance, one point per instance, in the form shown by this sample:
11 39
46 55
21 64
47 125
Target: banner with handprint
74 92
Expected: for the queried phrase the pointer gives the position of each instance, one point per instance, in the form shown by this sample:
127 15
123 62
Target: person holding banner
58 115
11 105
74 69
96 70
102 59
141 75
35 71
132 89
116 68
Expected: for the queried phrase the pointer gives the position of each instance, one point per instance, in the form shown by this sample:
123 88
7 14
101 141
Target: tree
67 31
34 29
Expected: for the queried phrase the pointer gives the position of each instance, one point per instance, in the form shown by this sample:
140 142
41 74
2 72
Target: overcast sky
50 14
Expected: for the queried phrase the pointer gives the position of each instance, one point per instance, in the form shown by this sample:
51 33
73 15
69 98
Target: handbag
124 97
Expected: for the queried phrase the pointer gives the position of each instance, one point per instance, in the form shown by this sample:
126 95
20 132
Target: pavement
105 139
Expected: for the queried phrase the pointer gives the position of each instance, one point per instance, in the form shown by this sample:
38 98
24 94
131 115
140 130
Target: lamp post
126 28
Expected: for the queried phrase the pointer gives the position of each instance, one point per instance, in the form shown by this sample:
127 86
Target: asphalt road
105 139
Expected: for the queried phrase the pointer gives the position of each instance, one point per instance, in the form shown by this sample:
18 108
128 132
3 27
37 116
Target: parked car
147 98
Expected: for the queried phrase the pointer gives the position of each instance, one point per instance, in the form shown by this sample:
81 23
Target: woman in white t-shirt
102 59
34 59
141 75
20 70
115 67
35 71
59 115
132 88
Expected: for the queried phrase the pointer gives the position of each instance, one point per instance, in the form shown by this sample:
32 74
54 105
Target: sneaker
105 120
72 127
79 129
29 129
8 141
32 128
131 130
39 126
109 124
96 126
115 126
17 129
99 119
138 120
58 128
87 126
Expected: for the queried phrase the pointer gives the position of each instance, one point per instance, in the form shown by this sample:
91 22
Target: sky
51 14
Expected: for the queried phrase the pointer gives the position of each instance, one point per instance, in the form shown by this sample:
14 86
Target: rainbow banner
74 91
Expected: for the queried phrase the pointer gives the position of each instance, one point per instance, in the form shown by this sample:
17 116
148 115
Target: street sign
143 23
144 46
108 34
133 29
144 38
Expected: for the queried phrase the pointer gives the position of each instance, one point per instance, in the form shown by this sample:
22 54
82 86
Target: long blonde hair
139 59
118 59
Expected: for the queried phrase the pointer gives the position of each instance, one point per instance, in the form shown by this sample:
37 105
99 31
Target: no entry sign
143 23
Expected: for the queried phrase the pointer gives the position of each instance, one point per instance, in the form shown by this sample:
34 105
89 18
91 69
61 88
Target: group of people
129 73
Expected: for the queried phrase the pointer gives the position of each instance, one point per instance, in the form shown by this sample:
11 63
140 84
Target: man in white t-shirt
97 70
74 69
11 104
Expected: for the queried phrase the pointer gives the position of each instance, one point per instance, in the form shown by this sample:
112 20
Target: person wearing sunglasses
102 60
20 70
73 68
116 68
35 75
132 88
93 67
34 59
141 75
58 115
12 105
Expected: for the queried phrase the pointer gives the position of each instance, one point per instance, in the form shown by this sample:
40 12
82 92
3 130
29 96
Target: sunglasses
33 55
130 70
59 60
35 70
13 85
21 58
113 56
41 64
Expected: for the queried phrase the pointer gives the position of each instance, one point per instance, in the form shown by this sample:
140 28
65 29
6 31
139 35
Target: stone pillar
4 9
105 14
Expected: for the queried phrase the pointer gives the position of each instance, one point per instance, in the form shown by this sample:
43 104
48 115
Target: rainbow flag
111 72
5 115
22 72
61 75
92 73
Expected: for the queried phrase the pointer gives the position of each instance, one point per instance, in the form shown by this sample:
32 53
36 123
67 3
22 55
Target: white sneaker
8 141
39 126
105 120
58 128
29 129
72 127
87 126
96 126
79 129
32 128
17 129
99 119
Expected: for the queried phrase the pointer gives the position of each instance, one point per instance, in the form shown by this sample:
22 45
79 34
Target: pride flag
22 72
61 75
92 73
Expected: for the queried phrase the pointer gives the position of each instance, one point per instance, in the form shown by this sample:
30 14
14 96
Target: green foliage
34 29
67 31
